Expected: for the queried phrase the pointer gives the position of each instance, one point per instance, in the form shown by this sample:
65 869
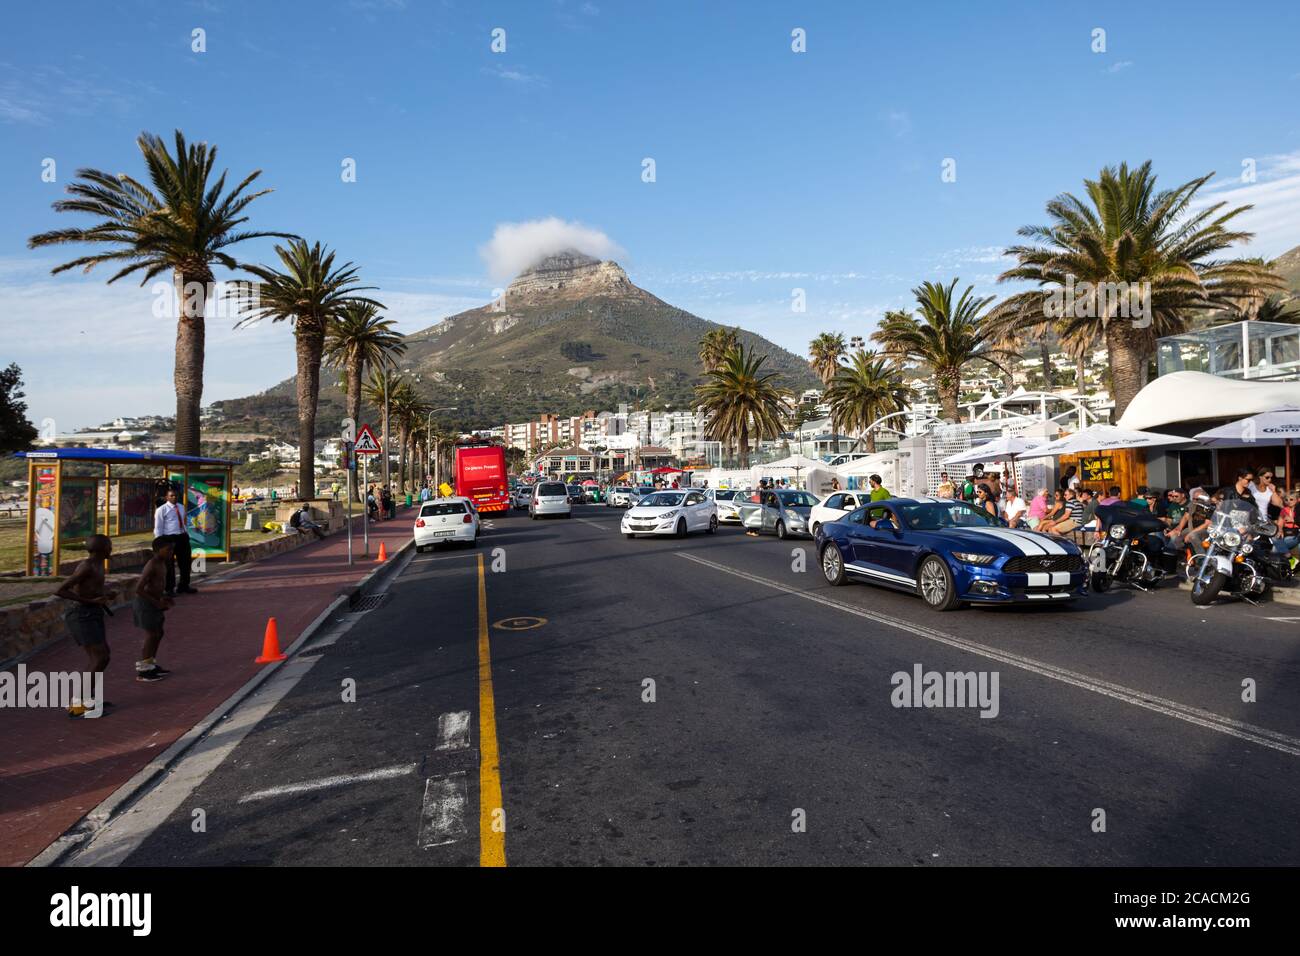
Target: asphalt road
708 702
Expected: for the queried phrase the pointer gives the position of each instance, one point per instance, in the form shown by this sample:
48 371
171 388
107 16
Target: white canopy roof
1000 449
1266 428
1104 438
1193 396
800 462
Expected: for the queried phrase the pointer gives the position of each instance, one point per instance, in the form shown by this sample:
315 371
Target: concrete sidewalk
54 770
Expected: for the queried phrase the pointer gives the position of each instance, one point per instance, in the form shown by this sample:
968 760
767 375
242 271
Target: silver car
783 513
550 498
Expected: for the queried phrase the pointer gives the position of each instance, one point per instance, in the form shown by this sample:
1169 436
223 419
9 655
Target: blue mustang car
949 552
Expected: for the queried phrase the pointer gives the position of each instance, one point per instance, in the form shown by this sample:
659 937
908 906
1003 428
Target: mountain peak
569 274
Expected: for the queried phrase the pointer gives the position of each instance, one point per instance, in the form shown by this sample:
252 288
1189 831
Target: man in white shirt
1014 510
169 522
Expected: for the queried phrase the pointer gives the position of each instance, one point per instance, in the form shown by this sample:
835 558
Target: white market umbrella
1000 449
1106 438
1281 424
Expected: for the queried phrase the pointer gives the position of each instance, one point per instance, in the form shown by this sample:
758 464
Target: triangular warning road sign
366 444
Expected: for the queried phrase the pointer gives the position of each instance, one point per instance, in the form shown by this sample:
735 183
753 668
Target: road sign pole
365 503
347 465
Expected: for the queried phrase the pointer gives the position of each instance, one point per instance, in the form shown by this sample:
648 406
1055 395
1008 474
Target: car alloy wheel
780 530
936 585
713 524
681 527
833 564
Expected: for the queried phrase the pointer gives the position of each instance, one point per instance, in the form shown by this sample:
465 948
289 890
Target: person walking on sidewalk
169 522
151 605
85 619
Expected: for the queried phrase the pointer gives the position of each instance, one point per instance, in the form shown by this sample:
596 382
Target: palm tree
865 390
1131 239
1277 309
949 335
715 345
824 354
310 293
408 409
182 225
742 402
358 338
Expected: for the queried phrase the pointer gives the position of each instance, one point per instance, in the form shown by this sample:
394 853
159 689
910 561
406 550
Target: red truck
481 475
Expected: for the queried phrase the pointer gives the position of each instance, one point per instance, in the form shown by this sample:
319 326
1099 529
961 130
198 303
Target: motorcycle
1131 549
1238 556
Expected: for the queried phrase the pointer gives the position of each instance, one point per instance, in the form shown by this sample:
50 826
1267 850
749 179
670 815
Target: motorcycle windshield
1234 515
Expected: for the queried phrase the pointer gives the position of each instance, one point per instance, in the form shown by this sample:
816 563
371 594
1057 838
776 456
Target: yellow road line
491 813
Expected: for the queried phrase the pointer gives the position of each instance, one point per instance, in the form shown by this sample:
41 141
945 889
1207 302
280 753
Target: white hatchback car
836 506
446 520
671 512
550 498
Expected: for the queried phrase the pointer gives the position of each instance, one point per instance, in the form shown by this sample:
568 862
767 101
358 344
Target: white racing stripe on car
881 574
1030 547
1272 739
1039 579
1060 577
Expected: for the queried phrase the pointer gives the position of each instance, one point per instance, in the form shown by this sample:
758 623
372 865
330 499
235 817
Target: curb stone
125 795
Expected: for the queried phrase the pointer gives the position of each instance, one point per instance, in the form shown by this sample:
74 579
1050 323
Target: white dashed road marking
453 731
325 783
442 818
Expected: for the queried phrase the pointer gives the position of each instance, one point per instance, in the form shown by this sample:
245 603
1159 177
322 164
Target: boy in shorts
85 619
151 605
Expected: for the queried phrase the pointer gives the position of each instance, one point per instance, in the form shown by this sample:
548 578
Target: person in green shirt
878 491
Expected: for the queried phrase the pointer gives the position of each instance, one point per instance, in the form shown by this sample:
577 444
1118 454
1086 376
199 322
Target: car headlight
1118 532
668 514
970 557
794 516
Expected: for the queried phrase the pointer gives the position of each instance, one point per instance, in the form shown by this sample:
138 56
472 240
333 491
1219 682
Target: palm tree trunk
1080 376
188 373
1045 354
1124 349
310 345
402 439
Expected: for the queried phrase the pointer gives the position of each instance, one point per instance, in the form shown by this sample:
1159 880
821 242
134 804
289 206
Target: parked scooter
1239 556
1130 550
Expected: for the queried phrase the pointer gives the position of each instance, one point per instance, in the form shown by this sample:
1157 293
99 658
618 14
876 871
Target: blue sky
775 170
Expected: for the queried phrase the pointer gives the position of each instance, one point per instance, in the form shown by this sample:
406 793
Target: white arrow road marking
325 783
1170 708
442 818
595 524
453 731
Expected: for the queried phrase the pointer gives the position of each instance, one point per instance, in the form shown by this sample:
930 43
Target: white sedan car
671 512
446 520
836 506
728 501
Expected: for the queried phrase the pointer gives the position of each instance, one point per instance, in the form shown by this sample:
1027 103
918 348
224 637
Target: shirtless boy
85 619
151 605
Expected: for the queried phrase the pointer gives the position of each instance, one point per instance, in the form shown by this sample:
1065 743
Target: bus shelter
64 508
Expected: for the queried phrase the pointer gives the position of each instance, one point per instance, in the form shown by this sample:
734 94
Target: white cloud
1119 66
517 245
1275 194
515 76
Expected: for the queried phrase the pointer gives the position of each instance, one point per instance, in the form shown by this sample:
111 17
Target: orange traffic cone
270 645
383 554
